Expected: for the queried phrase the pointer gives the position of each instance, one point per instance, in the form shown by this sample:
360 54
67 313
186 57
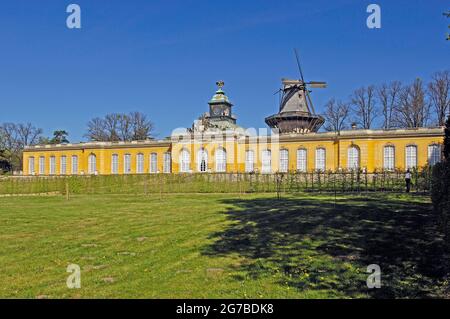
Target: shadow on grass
312 244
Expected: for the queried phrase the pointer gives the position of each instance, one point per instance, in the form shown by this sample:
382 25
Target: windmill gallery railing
141 184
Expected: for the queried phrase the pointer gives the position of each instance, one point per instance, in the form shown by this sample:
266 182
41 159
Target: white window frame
249 161
115 163
266 161
74 164
353 157
140 158
284 160
167 162
92 164
41 165
321 159
31 167
302 159
221 160
389 157
63 165
127 163
410 156
153 163
434 154
185 161
52 165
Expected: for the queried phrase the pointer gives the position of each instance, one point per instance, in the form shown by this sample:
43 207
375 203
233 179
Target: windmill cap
290 81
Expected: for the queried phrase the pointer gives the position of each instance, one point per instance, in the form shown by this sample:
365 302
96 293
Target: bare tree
388 96
8 136
111 127
438 92
364 106
125 129
13 139
141 126
413 110
96 130
28 134
120 127
336 114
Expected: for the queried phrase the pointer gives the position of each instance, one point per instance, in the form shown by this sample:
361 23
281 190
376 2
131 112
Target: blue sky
164 57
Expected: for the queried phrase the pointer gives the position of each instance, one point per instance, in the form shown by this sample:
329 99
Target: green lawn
220 246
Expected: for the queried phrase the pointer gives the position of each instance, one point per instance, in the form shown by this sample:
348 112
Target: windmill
296 112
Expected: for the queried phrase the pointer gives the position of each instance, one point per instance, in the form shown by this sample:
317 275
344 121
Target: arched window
202 160
389 157
284 160
167 162
266 160
320 159
221 160
301 159
153 163
31 165
140 163
92 164
42 165
52 165
185 161
249 161
74 164
115 164
411 156
127 163
434 154
353 157
63 165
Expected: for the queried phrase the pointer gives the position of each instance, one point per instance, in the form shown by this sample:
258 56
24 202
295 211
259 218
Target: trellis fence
352 181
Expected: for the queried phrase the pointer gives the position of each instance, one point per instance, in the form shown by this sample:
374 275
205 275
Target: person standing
408 180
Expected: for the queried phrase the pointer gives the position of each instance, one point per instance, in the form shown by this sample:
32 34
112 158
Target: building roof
362 134
351 134
95 145
220 97
240 135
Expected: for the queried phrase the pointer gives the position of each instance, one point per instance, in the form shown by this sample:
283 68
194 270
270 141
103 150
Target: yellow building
216 144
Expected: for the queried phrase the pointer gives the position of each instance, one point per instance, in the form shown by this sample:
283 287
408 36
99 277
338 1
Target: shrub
440 196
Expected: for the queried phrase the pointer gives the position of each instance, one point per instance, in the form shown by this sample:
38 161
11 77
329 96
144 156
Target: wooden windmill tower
296 113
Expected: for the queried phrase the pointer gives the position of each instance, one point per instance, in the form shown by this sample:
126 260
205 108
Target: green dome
220 96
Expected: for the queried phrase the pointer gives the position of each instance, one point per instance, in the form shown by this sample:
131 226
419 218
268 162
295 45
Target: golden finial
220 84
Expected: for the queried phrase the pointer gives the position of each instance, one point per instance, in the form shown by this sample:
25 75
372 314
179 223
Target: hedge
440 196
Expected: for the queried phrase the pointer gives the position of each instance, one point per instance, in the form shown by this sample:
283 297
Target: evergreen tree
59 137
447 140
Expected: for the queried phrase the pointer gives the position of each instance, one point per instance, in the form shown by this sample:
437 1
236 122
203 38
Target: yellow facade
103 153
370 155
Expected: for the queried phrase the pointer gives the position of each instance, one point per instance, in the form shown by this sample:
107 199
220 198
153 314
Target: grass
220 246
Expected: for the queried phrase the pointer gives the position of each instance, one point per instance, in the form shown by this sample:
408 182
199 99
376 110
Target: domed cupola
220 116
220 106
